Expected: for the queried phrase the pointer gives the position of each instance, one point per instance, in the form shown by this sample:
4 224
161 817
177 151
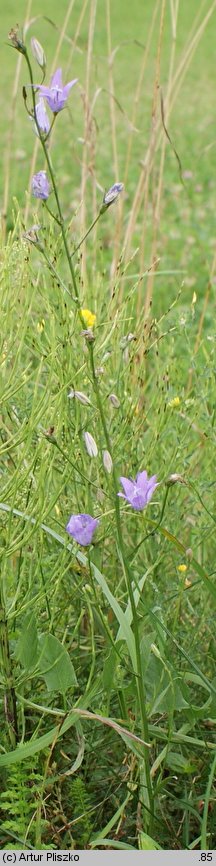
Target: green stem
129 578
10 697
55 190
153 531
87 233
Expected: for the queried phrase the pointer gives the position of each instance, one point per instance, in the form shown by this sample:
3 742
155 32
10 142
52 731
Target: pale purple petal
56 80
152 484
43 89
142 478
42 117
67 87
128 487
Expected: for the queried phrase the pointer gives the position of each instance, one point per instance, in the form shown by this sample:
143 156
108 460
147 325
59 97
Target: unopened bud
111 195
107 461
114 400
189 553
155 651
80 396
38 53
90 444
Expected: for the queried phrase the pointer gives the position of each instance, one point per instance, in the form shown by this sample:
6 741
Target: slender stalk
10 697
125 565
55 189
128 577
87 233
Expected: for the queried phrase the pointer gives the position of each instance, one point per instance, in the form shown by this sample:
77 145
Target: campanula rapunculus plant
82 528
56 95
139 492
40 185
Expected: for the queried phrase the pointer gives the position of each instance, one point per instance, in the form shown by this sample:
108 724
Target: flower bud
111 195
80 396
107 461
114 400
189 553
38 53
90 444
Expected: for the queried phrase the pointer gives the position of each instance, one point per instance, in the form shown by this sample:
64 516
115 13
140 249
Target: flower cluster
56 97
137 493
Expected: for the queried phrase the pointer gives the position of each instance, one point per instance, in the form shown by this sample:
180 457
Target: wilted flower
56 95
139 492
90 444
107 461
88 334
82 528
40 185
88 318
38 53
112 194
174 478
42 117
32 234
80 396
16 40
114 400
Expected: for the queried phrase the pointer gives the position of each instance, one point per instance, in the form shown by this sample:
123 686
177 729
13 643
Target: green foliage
19 804
55 665
81 809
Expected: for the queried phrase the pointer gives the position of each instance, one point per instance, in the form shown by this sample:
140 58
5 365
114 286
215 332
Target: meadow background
143 113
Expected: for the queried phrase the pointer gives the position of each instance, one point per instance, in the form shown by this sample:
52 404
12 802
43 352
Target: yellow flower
40 326
174 403
182 568
89 318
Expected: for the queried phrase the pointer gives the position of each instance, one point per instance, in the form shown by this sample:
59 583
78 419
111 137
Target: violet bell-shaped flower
56 95
82 528
139 492
40 185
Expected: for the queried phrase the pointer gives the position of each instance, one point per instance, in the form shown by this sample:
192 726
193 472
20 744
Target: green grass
72 643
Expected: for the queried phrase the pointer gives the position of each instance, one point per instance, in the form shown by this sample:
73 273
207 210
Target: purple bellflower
40 185
82 528
42 117
139 492
56 95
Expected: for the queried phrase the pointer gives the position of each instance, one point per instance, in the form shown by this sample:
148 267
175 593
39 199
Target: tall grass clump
108 690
